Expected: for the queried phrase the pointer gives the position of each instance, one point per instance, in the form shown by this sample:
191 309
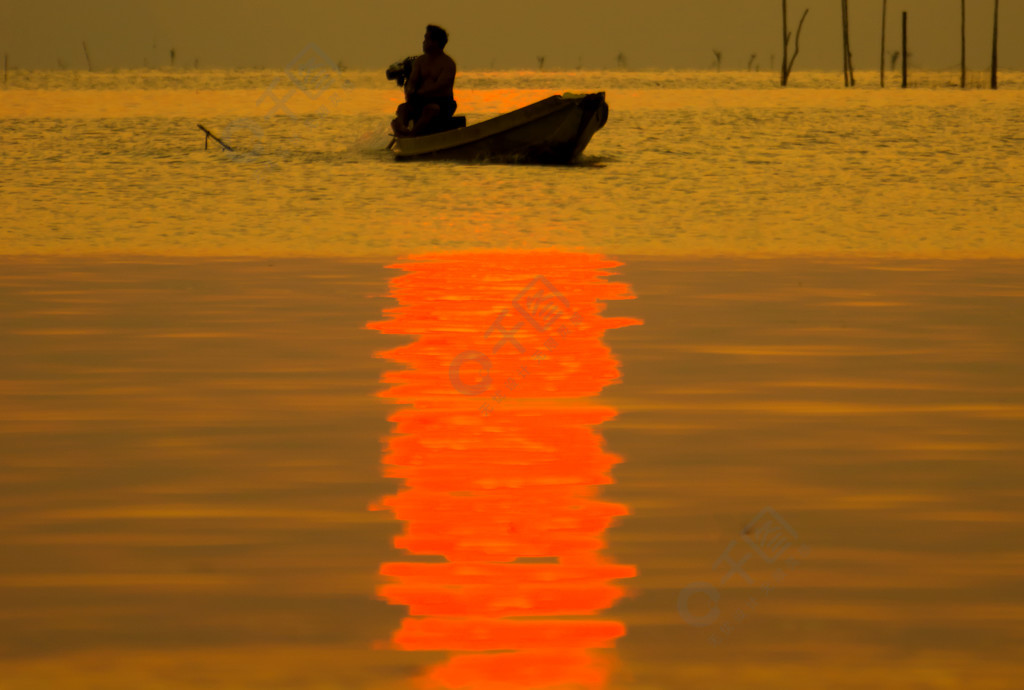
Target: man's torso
432 67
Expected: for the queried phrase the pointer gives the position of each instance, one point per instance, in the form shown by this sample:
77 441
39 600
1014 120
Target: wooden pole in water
785 44
904 50
206 142
963 44
87 60
848 79
995 50
787 66
881 64
846 53
846 35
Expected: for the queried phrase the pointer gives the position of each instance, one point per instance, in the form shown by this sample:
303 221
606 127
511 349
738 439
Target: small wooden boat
554 130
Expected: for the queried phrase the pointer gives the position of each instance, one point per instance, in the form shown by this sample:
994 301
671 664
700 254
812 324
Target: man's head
435 39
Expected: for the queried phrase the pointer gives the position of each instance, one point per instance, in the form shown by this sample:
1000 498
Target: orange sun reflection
496 447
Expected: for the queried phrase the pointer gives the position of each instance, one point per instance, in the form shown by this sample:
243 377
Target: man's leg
431 111
398 124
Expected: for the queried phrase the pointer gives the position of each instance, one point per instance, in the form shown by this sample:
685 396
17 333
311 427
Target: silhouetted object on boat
620 60
540 62
172 57
995 47
399 71
848 79
718 59
904 50
750 62
554 130
88 61
881 61
787 62
206 142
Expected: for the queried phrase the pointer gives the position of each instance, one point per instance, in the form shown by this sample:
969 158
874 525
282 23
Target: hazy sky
651 33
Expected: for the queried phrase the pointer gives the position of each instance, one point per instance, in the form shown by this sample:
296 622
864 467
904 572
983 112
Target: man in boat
428 91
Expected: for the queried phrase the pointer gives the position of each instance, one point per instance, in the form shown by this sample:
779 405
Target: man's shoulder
440 58
446 63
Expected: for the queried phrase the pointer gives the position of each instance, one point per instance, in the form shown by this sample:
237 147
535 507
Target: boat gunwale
455 138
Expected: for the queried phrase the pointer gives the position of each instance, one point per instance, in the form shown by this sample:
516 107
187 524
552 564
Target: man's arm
415 77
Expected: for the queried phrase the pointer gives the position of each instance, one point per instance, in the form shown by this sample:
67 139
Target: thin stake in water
787 62
904 50
206 142
848 79
881 65
963 44
995 49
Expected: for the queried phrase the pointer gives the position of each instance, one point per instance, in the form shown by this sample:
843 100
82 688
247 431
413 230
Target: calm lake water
736 402
689 163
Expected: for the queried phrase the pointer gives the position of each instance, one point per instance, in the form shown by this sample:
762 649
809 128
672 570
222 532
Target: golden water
690 163
234 451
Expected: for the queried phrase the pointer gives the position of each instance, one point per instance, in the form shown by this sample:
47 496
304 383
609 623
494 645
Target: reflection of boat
554 130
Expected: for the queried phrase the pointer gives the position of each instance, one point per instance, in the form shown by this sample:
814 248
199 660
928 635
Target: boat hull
553 131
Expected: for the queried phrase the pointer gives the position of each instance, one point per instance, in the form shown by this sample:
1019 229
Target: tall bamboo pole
785 44
905 49
963 44
849 51
846 52
846 41
88 61
995 44
881 64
